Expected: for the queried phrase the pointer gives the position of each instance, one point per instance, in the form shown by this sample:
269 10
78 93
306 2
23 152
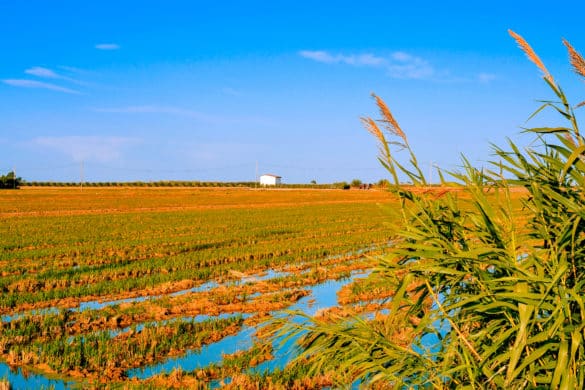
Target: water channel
321 296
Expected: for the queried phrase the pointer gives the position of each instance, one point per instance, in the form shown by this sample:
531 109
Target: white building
270 180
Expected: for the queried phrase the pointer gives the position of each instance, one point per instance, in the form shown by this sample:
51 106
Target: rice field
104 285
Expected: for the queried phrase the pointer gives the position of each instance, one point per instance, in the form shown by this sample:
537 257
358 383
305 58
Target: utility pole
430 173
256 181
81 175
14 178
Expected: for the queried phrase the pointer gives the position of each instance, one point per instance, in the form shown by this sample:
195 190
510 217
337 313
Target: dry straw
531 55
388 119
373 128
576 59
577 62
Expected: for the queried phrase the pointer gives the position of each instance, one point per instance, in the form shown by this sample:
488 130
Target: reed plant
487 294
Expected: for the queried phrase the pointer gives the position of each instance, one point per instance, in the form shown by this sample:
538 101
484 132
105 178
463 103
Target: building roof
270 174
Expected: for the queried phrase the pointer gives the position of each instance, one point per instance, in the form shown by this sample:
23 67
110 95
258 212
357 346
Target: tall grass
488 294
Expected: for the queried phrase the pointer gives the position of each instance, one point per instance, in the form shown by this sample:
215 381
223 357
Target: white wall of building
270 180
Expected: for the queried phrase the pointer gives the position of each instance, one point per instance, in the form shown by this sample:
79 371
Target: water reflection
322 296
21 378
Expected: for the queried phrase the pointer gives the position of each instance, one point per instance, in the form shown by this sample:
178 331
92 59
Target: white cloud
39 71
357 60
38 84
72 69
401 56
87 148
407 66
319 56
42 72
485 78
399 64
364 59
107 46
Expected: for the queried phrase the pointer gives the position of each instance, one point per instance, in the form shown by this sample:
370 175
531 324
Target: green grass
58 257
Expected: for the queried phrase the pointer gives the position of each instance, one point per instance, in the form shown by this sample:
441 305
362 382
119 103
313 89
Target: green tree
485 297
356 183
383 183
10 181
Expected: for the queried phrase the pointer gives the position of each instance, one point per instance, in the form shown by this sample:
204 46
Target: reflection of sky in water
322 296
19 379
212 353
430 343
139 327
97 305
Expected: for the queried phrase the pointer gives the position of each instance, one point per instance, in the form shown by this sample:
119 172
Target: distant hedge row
180 184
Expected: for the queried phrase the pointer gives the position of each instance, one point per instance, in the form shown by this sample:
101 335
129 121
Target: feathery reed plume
388 119
373 128
531 55
576 59
578 63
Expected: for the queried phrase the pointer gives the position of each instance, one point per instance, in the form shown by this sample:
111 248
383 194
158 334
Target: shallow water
212 353
21 379
11 317
430 343
322 296
97 305
267 275
270 274
197 318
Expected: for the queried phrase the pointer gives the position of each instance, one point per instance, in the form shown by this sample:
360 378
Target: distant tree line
357 183
10 181
176 183
173 183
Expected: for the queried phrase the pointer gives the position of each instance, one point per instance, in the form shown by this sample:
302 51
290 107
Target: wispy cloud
87 148
407 66
47 73
399 64
486 78
22 83
107 46
72 69
42 72
353 59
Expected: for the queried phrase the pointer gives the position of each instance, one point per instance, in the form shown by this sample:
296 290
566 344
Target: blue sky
202 90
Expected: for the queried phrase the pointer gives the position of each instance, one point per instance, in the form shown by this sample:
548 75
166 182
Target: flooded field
157 286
